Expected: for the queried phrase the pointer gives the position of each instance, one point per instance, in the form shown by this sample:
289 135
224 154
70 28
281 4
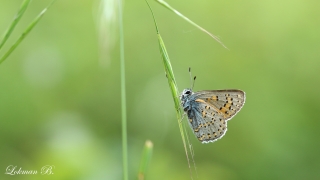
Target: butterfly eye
188 92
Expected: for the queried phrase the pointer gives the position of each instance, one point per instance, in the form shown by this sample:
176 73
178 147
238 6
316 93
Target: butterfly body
208 111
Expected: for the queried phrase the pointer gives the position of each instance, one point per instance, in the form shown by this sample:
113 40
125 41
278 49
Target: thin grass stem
123 96
15 21
25 33
166 5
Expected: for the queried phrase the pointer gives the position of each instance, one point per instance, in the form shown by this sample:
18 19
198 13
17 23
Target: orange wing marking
202 101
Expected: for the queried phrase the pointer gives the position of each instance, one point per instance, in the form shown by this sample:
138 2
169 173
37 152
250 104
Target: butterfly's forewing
211 110
226 102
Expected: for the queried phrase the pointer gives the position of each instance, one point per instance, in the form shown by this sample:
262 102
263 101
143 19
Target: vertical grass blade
172 83
15 21
174 91
123 96
25 33
145 160
166 5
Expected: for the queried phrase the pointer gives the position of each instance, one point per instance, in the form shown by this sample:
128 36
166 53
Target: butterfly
209 111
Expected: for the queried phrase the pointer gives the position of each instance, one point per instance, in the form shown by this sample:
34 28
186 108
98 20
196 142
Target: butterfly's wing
211 110
226 102
207 125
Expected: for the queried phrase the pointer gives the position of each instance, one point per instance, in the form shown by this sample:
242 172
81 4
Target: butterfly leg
183 116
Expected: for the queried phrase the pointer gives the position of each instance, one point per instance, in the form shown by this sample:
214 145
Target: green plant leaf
172 84
15 21
25 33
166 5
145 159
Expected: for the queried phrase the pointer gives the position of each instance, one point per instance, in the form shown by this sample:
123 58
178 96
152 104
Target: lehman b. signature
15 170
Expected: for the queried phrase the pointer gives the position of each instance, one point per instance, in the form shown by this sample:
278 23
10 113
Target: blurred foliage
60 89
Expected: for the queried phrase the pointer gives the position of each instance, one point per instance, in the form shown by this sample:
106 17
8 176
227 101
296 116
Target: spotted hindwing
211 110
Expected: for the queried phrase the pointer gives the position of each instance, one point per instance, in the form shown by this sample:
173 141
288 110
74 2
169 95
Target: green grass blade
145 159
123 96
15 21
172 83
25 33
174 91
166 5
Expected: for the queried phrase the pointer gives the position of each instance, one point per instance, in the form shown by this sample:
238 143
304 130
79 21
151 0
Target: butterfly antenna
190 75
194 78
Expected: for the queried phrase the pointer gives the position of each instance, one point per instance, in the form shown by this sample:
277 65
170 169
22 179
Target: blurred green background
60 89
